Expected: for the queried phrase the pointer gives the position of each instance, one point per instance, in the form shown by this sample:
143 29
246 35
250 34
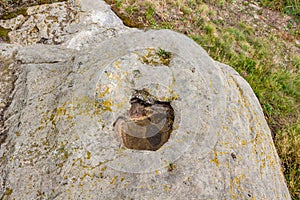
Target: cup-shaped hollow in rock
147 126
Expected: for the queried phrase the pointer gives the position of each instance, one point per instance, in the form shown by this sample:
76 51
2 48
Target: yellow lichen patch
215 159
114 180
234 196
109 75
222 153
69 117
52 117
263 163
103 168
145 57
102 91
61 111
235 186
60 164
117 64
76 161
102 171
226 143
243 142
107 105
167 188
8 191
88 155
225 128
156 57
173 96
39 193
74 179
103 106
180 140
84 105
86 175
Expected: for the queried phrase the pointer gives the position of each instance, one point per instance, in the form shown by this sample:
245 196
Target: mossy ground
4 34
261 43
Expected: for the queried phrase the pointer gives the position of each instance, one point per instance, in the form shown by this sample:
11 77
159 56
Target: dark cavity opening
148 123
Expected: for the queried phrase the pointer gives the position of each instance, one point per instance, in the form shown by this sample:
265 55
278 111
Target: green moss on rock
4 34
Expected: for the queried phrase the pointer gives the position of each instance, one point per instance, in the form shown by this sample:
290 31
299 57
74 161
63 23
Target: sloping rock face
94 122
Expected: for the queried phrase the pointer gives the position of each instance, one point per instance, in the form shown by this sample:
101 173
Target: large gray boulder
136 115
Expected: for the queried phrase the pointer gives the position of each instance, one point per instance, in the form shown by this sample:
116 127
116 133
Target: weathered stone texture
61 143
74 25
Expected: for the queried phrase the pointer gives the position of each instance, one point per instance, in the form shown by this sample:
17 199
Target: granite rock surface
60 138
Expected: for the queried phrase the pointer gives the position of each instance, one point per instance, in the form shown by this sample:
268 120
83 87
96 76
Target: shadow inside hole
148 123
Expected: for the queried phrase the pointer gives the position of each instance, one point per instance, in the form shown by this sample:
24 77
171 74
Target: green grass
265 60
9 15
291 7
4 34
